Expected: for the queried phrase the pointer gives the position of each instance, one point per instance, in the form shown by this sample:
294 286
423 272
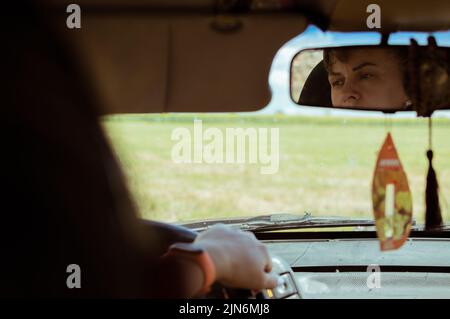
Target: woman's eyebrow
356 68
331 73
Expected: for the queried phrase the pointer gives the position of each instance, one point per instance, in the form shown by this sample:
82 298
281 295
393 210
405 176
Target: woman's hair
64 199
342 54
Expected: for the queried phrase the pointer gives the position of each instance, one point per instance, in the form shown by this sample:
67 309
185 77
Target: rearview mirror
376 78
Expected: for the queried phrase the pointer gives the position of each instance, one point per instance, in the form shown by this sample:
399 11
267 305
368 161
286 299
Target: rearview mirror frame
416 44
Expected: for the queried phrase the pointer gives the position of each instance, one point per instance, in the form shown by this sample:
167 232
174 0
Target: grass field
326 166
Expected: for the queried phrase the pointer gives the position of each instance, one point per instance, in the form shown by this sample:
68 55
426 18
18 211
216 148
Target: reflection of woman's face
369 78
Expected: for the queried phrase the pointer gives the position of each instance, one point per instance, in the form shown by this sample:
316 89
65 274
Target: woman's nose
350 94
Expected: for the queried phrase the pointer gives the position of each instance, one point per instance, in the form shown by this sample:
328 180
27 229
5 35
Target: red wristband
201 258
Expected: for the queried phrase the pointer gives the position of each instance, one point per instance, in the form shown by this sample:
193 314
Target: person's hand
241 260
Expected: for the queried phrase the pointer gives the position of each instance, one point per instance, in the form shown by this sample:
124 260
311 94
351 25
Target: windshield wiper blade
281 221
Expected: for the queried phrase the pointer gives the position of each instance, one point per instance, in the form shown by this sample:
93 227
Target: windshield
284 159
322 164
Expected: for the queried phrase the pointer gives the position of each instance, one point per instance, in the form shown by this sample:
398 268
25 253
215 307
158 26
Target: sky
314 37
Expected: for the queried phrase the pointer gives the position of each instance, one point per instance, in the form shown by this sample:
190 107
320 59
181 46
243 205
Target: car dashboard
356 268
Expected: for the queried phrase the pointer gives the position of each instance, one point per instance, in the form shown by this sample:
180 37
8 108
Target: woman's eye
366 76
337 83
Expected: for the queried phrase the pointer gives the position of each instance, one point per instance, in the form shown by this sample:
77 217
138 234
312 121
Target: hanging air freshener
391 197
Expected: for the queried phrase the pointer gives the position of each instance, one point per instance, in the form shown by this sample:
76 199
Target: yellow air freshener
392 203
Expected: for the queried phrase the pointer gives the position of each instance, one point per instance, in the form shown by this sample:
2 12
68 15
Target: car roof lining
149 56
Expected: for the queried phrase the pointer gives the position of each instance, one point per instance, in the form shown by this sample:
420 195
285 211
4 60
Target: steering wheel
287 288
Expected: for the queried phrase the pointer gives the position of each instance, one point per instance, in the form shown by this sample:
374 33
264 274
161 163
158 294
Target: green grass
326 166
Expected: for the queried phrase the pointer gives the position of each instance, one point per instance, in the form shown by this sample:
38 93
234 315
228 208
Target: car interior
178 57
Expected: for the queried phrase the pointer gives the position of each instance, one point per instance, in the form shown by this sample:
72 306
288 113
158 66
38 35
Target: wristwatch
199 256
